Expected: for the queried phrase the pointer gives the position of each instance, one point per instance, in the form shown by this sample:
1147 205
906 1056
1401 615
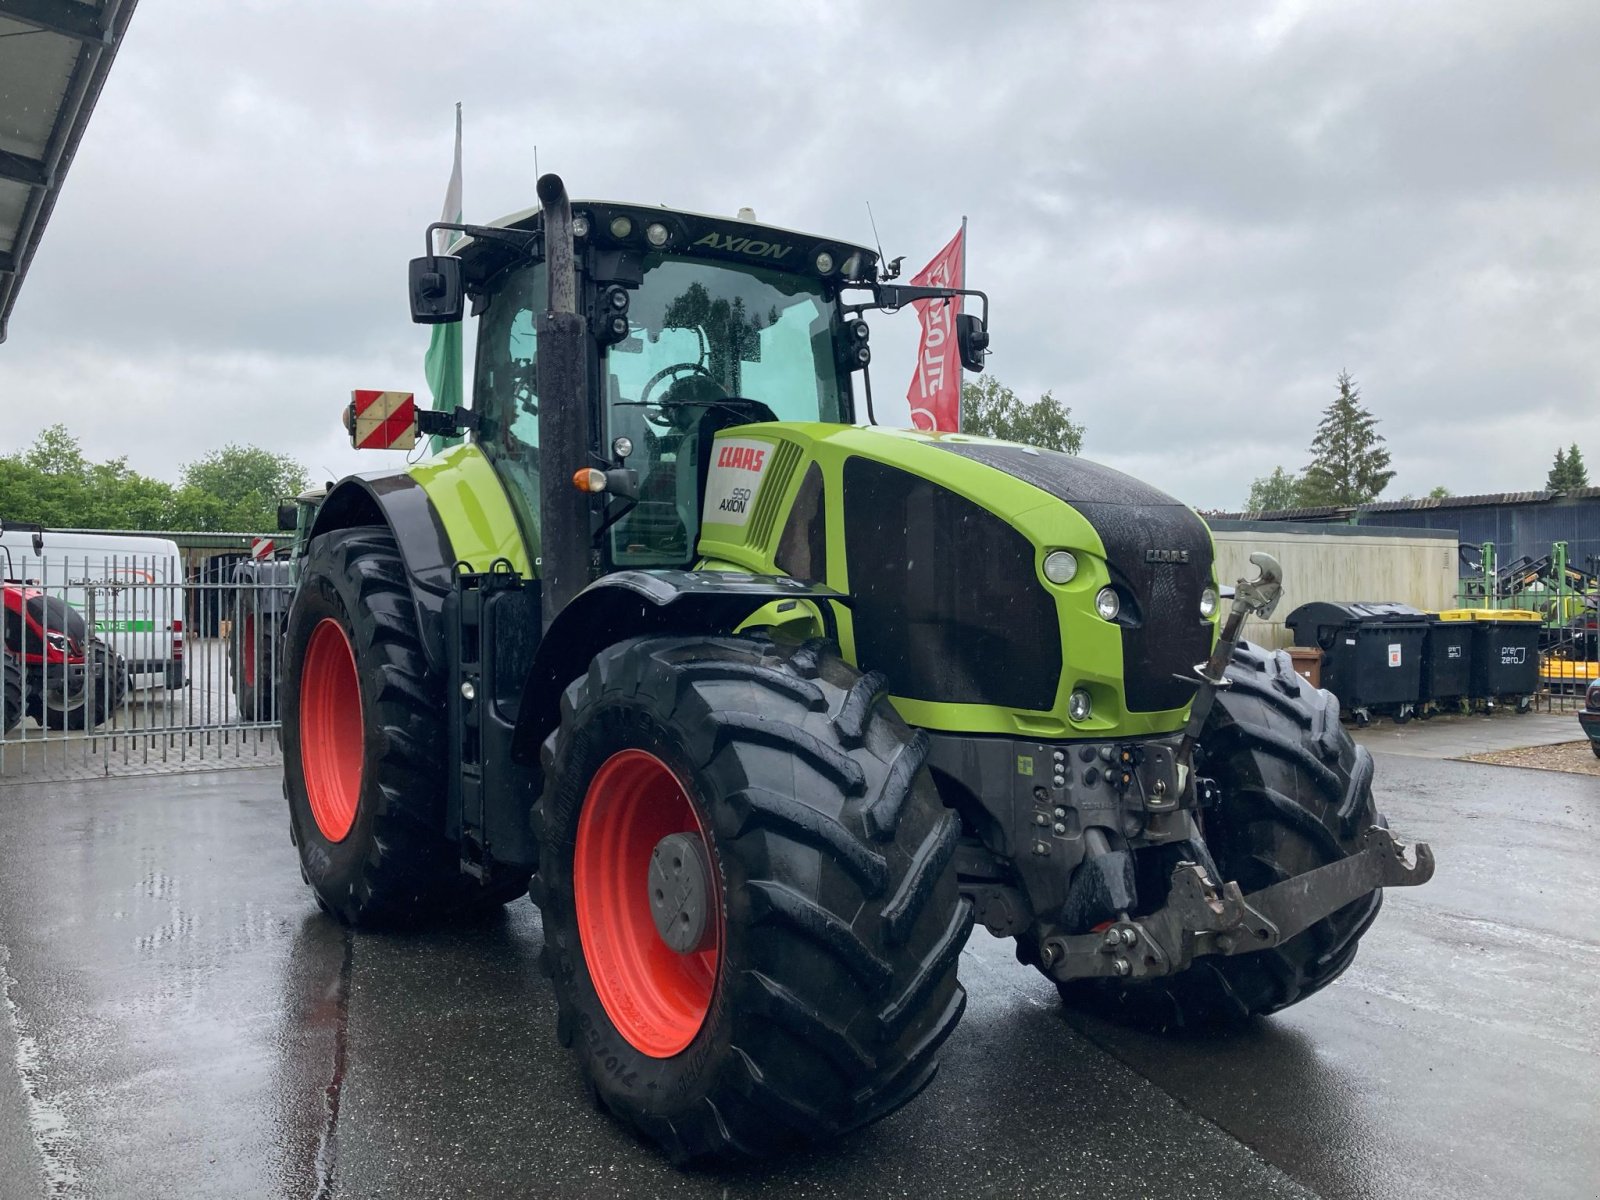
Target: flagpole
966 248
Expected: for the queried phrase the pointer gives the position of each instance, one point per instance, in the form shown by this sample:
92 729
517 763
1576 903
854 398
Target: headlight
1208 604
1107 604
1079 705
1060 566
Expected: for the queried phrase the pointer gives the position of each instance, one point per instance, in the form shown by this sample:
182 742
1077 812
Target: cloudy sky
1189 216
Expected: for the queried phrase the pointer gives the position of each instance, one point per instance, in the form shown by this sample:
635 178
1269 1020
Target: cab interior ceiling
54 58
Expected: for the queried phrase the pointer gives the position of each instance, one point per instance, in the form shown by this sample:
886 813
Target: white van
128 587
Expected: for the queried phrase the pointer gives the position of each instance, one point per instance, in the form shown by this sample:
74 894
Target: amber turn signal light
588 479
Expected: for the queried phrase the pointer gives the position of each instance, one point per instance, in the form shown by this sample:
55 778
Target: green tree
1273 492
236 488
1439 493
1568 471
1349 464
52 483
991 409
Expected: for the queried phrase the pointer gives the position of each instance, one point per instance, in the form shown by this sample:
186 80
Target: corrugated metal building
1518 523
1332 561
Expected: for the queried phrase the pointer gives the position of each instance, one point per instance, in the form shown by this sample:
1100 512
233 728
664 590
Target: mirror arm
889 297
526 243
436 423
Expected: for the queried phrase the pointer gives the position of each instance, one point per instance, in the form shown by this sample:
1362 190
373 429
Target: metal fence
124 664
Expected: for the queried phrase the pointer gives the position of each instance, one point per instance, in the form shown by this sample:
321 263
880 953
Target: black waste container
1505 657
1374 653
1447 658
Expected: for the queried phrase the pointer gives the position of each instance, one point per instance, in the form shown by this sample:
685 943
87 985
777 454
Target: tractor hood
1155 547
940 540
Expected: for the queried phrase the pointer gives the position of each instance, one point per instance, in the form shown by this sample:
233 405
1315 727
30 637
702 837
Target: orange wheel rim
331 729
657 998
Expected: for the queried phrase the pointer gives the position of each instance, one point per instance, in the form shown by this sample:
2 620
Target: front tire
1296 794
824 982
104 687
365 745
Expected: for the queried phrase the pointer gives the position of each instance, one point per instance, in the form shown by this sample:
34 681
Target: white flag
445 238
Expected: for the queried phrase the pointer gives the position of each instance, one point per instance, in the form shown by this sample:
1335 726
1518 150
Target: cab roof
621 227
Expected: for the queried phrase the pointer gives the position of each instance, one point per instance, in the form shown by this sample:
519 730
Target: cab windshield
703 337
710 345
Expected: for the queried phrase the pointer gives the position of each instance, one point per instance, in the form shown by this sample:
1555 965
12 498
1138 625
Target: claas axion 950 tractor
765 707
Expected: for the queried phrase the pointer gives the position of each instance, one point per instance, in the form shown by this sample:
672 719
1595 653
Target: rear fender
399 502
640 603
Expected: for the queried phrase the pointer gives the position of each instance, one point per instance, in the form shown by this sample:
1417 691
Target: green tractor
765 707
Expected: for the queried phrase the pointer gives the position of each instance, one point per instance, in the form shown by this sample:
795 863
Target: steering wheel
675 369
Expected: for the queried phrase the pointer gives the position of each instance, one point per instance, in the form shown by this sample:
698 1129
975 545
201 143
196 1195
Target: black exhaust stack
565 435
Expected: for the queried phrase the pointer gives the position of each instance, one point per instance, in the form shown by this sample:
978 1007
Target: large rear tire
816 995
365 744
254 665
1296 794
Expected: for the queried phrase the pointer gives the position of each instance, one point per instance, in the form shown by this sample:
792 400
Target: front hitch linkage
1201 917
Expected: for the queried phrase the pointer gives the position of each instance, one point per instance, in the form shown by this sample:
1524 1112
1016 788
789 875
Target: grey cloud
1189 217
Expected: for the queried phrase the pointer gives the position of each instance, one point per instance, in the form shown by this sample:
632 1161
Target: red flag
935 393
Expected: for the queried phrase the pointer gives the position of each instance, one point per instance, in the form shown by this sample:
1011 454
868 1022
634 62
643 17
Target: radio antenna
889 270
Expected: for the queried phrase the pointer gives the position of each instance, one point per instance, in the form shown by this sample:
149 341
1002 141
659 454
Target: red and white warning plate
383 420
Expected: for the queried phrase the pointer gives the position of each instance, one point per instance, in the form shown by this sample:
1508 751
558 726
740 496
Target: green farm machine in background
768 706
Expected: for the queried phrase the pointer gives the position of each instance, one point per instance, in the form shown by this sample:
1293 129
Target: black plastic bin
1505 658
1447 660
1373 653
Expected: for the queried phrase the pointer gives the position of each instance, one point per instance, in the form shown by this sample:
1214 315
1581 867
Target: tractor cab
696 324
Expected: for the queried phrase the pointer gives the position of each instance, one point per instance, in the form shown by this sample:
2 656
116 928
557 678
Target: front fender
634 604
398 501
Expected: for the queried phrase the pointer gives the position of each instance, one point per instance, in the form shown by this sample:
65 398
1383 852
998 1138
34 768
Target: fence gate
122 664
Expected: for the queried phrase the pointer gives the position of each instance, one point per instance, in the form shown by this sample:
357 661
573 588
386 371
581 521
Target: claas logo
742 458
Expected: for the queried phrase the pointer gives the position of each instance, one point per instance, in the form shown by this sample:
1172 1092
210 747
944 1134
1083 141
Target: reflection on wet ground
179 1020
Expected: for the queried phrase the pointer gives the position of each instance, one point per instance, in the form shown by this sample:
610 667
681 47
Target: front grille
946 599
1131 518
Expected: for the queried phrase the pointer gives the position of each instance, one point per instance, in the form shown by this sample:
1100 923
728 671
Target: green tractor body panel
751 523
792 498
473 507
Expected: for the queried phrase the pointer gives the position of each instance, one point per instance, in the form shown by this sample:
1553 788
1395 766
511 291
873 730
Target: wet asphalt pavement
179 1021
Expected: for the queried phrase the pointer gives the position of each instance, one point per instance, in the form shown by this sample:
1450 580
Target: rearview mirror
287 517
972 339
436 289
